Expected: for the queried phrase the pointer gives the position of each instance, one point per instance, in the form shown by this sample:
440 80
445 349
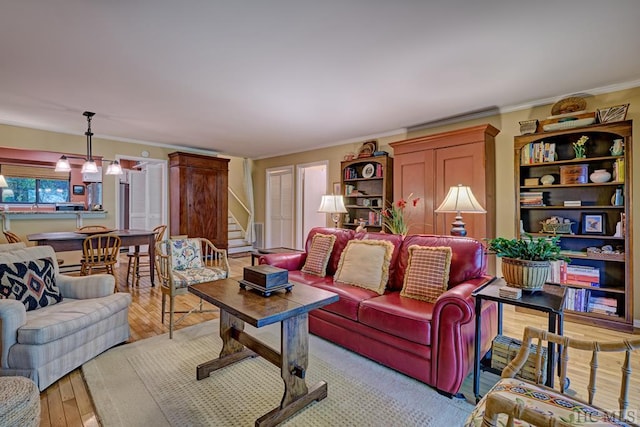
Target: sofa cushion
31 282
318 256
403 317
185 254
468 258
365 263
396 240
69 316
350 298
342 237
427 274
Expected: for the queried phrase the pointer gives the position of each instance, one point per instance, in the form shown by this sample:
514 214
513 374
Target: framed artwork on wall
78 190
336 188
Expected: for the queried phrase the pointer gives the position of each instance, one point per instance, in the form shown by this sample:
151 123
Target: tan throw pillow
319 253
427 273
365 263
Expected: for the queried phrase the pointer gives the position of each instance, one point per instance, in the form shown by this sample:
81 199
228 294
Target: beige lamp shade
3 182
460 199
333 204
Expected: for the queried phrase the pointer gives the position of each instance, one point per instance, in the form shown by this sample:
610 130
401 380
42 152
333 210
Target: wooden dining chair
12 237
99 254
135 257
96 228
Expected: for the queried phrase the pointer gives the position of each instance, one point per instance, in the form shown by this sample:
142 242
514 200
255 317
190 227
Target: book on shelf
578 275
538 152
572 203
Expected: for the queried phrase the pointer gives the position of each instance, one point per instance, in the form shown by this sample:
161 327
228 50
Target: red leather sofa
431 342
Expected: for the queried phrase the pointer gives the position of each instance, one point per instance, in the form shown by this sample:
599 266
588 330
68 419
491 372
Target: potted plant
526 261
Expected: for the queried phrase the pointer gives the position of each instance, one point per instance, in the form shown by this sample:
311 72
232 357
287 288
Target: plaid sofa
47 343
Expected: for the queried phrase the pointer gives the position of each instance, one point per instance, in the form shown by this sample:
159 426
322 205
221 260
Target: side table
549 300
257 253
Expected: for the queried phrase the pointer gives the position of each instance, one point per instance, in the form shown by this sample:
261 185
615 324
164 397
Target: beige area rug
153 383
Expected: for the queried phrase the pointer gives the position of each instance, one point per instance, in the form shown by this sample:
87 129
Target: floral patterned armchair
184 262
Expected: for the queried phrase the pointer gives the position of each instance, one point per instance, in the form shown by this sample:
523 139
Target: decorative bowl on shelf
556 228
599 176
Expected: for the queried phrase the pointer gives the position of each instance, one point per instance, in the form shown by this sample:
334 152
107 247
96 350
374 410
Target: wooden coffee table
291 309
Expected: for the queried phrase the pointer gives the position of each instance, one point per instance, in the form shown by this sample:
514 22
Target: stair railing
246 209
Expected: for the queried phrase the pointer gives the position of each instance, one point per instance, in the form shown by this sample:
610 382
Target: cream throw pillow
319 253
365 263
427 274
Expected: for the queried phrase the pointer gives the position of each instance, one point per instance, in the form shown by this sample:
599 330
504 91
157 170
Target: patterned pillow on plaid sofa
32 282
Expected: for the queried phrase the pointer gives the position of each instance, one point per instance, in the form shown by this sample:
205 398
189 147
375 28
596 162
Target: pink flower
415 201
401 203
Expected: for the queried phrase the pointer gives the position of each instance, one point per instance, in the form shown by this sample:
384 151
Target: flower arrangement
579 146
393 217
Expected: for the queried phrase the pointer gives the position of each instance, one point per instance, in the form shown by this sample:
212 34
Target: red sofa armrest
453 333
290 261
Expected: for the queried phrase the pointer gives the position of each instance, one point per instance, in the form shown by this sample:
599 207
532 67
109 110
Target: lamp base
335 218
457 227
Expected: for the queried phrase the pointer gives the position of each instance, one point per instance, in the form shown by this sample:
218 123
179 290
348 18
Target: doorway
311 186
141 194
279 208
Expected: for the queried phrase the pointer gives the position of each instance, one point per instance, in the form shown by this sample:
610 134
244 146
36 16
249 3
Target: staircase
236 238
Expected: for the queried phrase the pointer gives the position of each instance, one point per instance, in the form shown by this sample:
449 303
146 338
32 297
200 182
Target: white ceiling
264 77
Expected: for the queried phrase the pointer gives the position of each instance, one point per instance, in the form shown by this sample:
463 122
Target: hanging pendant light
89 166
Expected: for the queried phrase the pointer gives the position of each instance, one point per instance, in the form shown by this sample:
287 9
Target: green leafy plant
527 248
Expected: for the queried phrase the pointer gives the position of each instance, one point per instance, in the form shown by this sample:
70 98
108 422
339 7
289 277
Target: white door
311 185
279 212
138 200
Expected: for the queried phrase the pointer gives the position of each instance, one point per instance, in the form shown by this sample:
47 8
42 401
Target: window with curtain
31 184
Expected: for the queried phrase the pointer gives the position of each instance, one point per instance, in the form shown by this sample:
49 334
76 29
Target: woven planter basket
524 274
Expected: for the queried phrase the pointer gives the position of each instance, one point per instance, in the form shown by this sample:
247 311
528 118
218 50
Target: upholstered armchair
184 262
533 404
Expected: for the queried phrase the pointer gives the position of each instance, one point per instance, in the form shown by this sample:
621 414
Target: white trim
636 323
299 238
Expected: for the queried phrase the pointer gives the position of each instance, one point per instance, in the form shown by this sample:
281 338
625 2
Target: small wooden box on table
265 279
291 309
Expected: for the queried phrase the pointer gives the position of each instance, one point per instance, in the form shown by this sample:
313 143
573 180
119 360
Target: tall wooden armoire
199 196
428 166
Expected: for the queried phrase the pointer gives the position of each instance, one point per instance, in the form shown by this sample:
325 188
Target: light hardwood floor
68 403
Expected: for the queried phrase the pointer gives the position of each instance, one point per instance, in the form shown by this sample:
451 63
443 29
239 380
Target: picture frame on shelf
594 223
616 113
336 188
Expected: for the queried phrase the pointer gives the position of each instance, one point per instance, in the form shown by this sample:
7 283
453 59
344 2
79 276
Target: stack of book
603 305
582 275
532 198
578 275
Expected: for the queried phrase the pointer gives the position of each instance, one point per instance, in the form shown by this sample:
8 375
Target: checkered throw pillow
319 253
427 275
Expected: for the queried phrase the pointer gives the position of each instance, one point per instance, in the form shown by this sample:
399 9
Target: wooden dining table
62 241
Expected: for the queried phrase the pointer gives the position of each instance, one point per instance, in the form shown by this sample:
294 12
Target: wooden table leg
294 361
232 351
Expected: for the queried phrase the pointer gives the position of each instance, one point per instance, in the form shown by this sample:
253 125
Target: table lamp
460 199
334 205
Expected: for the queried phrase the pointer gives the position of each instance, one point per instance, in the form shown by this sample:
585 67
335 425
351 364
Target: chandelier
89 165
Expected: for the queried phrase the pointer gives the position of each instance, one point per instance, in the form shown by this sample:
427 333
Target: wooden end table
549 300
291 309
